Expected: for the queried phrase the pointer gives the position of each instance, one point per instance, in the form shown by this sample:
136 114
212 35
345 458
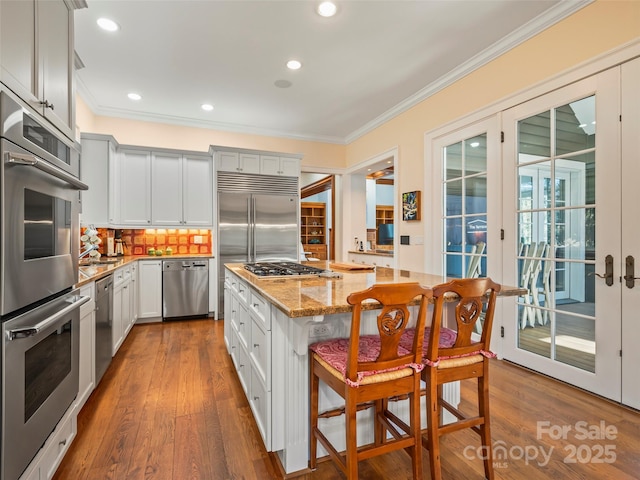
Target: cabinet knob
256 345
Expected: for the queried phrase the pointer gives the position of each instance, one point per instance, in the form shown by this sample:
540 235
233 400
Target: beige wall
161 135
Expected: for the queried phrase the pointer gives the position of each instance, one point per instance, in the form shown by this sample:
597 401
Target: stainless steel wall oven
39 246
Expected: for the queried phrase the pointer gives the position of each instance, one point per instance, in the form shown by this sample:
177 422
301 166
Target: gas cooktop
281 269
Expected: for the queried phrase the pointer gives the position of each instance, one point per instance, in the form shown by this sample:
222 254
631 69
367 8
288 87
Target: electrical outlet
320 330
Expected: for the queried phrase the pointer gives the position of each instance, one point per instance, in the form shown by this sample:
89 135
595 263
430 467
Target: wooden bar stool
366 370
461 359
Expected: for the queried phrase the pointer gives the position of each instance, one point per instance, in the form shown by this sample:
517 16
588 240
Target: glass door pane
556 212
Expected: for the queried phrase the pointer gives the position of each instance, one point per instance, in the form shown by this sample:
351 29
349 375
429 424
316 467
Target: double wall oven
39 246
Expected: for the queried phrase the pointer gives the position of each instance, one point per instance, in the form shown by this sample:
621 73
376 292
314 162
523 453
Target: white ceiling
371 61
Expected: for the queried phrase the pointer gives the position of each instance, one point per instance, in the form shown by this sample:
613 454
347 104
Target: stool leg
433 422
485 428
314 383
414 429
352 440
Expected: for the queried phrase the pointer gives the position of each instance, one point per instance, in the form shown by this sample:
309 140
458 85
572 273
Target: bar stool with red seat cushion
369 369
470 299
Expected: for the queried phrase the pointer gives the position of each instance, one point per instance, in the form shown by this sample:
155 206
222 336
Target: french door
569 194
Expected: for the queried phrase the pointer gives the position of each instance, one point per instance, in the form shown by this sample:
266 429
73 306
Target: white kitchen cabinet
134 174
122 314
182 190
47 460
240 162
87 365
248 334
96 165
149 290
36 42
275 165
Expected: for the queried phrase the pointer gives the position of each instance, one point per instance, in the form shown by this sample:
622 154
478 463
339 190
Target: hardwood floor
170 407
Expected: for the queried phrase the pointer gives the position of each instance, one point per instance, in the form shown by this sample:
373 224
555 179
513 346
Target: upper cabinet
133 174
272 165
238 162
181 190
96 165
36 57
255 162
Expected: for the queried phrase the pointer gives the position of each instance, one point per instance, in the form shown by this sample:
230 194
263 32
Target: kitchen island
269 324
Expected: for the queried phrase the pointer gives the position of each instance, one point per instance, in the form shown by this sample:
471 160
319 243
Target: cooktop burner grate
281 269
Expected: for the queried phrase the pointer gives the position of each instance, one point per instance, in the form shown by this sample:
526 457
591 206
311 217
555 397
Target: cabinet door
116 327
289 167
269 165
126 309
135 187
249 163
149 289
166 193
55 47
228 161
18 47
94 171
197 190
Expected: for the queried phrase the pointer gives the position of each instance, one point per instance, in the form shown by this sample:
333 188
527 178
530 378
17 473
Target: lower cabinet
375 260
46 462
87 367
123 316
248 337
149 290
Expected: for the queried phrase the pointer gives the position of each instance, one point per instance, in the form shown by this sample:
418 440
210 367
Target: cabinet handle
256 398
241 323
256 305
256 345
63 442
46 104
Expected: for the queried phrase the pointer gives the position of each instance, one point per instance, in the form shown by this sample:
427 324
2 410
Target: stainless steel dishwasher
185 288
104 322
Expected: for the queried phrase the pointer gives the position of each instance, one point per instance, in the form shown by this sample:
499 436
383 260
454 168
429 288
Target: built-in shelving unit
384 214
313 229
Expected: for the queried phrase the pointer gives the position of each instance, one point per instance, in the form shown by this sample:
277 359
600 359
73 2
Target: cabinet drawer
260 352
260 308
58 444
260 402
244 325
243 291
243 367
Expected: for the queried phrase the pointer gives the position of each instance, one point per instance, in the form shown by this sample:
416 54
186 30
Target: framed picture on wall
411 205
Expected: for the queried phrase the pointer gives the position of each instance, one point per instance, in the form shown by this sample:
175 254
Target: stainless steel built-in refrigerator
258 221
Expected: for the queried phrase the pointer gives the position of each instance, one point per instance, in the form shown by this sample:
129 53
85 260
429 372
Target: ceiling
371 61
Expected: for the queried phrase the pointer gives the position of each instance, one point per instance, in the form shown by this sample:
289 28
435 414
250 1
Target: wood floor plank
170 407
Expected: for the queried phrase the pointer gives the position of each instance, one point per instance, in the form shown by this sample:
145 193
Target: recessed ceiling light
108 25
207 107
327 9
134 96
294 64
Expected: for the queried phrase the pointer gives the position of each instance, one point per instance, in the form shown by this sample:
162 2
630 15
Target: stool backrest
473 299
392 321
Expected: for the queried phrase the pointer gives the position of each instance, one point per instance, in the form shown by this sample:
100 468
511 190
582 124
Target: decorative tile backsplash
181 240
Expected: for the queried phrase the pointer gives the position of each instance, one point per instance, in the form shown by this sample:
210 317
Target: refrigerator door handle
249 231
253 228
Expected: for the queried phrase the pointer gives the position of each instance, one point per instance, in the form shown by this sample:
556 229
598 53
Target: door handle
608 271
629 278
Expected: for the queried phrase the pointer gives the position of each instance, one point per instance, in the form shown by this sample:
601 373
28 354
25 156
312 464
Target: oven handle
33 161
37 328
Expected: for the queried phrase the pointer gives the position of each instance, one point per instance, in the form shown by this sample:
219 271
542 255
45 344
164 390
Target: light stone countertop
92 271
303 297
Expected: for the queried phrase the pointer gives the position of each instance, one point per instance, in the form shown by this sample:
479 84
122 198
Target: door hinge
502 332
502 234
501 137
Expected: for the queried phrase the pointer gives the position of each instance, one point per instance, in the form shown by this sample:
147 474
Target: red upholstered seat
334 352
